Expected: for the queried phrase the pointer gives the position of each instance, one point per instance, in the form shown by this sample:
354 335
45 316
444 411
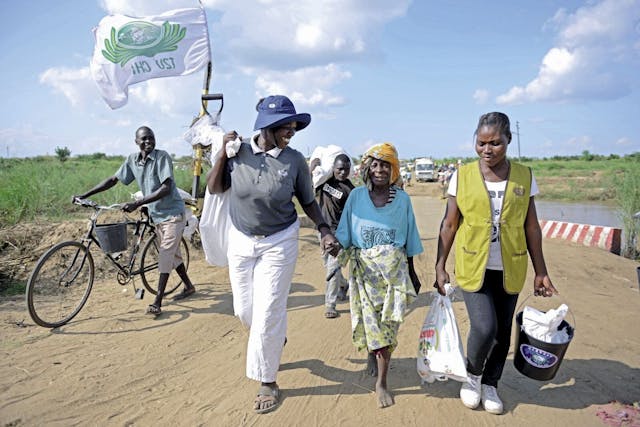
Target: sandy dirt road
113 365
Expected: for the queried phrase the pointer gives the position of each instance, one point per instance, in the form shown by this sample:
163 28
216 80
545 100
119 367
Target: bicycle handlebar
86 203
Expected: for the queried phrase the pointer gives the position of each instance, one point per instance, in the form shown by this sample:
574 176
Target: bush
627 190
63 153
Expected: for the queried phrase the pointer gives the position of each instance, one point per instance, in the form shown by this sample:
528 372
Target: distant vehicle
424 169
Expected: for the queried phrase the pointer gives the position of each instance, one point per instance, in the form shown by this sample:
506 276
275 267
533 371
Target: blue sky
415 73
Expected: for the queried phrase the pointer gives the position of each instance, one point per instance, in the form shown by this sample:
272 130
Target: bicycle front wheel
60 284
149 266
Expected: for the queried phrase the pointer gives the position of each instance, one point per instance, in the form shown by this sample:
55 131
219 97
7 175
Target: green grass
43 186
587 177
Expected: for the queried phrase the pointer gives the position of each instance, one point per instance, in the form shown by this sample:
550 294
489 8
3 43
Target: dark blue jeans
490 312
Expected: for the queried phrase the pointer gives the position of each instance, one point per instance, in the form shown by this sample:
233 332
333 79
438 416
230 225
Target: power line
518 135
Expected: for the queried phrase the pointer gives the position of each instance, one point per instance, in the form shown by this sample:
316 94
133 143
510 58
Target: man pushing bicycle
152 169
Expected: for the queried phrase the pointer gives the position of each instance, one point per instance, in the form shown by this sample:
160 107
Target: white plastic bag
214 225
205 132
544 326
440 353
214 228
327 155
192 223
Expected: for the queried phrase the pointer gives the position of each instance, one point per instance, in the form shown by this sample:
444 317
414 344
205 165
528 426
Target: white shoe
470 391
490 400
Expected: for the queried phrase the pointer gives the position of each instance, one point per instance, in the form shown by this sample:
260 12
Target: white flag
131 50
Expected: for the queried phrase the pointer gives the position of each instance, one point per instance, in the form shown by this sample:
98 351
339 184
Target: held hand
442 277
130 207
542 286
330 244
229 136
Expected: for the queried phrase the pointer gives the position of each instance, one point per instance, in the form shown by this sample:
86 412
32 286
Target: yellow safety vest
474 230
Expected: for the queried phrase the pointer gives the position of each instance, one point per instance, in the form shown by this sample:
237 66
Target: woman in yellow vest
491 213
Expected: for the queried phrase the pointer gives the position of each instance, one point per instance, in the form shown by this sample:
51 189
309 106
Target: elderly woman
379 234
263 177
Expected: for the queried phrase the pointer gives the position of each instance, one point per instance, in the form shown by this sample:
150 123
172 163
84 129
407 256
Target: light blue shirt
150 175
364 225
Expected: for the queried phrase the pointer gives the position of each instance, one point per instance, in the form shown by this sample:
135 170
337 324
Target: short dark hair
495 119
342 157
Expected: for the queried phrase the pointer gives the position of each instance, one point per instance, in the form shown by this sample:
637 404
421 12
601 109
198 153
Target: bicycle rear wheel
60 284
149 266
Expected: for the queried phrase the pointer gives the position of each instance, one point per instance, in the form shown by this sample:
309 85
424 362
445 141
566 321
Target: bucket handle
573 326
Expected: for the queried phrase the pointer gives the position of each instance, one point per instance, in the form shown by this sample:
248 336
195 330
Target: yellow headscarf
386 152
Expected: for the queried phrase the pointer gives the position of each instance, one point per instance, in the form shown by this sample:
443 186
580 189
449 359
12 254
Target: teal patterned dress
380 292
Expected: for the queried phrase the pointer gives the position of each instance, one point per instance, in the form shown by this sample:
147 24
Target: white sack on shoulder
544 326
327 155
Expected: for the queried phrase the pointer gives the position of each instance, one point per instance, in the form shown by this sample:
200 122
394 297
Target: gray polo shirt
263 186
149 175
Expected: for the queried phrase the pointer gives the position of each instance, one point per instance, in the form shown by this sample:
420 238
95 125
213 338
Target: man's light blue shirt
150 175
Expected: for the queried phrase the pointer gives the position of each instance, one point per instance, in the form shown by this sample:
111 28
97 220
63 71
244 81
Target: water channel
581 213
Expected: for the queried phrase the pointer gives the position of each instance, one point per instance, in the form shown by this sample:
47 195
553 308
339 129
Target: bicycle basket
112 237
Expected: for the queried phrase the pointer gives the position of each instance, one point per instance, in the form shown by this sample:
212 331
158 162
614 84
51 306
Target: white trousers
261 270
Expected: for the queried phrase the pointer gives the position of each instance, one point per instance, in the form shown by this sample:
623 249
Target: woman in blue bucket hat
491 213
263 177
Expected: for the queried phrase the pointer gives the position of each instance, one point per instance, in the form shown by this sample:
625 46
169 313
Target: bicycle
62 279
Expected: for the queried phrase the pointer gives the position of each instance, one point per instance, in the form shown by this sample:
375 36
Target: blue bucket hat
276 110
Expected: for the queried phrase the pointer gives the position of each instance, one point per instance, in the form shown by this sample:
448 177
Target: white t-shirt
496 194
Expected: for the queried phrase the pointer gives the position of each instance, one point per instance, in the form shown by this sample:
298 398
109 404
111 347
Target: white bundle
205 131
327 155
544 326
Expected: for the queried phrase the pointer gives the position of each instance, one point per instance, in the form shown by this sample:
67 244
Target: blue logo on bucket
538 358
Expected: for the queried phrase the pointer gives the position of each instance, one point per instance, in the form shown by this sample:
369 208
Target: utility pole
518 135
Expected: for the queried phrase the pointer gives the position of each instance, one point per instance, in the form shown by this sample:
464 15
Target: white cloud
293 47
295 33
481 96
296 85
308 35
299 47
75 84
597 50
624 142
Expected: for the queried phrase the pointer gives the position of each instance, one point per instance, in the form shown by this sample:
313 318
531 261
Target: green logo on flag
141 38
